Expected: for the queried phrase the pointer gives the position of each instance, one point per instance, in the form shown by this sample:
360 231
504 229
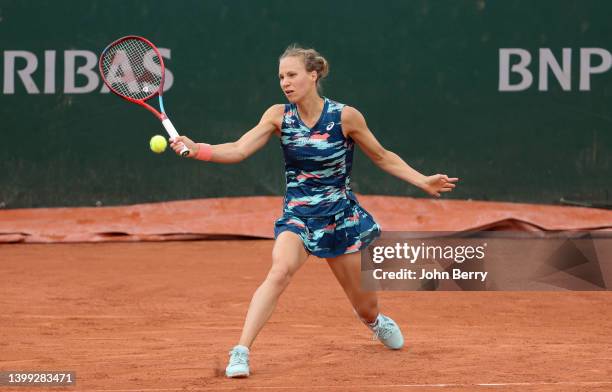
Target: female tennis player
321 215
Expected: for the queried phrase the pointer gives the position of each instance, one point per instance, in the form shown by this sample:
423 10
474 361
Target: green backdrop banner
511 96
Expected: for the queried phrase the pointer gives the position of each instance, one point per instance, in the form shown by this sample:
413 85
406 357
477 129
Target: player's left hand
438 183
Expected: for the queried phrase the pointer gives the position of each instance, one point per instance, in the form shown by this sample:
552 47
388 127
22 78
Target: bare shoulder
277 108
274 116
274 112
352 120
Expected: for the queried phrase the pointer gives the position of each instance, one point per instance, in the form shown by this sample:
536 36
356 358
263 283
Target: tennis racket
133 69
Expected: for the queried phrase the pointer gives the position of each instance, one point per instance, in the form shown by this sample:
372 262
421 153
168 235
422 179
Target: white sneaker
387 331
238 366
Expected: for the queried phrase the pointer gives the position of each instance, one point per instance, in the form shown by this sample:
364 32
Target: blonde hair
313 61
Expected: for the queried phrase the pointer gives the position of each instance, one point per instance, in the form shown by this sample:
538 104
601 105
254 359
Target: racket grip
173 134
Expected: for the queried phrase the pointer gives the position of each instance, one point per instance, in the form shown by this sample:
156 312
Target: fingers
432 192
446 178
174 141
446 187
177 147
178 143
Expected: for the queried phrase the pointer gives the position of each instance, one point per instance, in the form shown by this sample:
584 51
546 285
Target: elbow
382 157
239 153
387 160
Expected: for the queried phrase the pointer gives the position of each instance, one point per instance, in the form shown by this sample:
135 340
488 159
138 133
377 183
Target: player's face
295 81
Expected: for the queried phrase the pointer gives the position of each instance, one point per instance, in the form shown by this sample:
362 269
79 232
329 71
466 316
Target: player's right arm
242 148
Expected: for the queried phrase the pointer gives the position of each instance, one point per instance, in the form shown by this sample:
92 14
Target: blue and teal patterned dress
319 204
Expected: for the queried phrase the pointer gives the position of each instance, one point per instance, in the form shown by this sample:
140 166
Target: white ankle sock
242 348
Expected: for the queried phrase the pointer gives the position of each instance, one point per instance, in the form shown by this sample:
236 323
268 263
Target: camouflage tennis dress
319 204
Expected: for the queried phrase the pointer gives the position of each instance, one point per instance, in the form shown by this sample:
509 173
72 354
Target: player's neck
311 106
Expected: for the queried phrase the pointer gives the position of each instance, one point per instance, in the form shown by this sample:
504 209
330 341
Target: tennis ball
158 144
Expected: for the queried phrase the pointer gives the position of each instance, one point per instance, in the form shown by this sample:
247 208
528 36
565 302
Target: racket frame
161 114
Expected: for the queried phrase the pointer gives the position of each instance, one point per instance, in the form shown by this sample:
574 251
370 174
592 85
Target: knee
285 262
279 276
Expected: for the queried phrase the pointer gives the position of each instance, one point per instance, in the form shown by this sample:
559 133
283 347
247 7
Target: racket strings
132 68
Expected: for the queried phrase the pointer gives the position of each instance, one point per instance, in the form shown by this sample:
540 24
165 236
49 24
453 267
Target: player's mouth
289 92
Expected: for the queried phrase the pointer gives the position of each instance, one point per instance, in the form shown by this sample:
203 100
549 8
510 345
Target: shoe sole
395 348
237 375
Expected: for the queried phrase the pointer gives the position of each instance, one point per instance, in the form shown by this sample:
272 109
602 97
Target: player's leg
347 270
288 255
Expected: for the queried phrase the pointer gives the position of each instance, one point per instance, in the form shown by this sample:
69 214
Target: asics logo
330 126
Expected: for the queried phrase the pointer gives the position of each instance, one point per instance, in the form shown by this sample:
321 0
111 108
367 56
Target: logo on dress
330 126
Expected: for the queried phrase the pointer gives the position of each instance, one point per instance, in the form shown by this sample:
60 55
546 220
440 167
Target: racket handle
173 134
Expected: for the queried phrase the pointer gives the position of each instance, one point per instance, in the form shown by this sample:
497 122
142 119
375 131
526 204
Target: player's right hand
178 142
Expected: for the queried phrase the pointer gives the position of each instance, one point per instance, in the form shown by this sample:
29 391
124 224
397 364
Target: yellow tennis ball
158 144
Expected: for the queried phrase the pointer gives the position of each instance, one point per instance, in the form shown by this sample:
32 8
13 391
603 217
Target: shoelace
238 358
383 330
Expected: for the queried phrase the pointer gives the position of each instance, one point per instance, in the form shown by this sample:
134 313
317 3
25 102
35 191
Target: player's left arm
355 127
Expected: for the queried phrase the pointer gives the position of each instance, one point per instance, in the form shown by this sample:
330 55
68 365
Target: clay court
134 268
132 314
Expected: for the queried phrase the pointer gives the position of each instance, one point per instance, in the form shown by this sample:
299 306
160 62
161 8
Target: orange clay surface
161 316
